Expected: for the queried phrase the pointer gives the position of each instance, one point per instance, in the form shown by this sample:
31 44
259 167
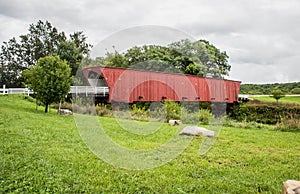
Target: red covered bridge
131 85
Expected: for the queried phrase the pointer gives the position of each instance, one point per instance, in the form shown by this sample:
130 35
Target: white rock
64 112
175 122
195 130
291 187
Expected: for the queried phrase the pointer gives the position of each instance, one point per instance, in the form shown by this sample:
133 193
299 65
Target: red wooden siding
128 85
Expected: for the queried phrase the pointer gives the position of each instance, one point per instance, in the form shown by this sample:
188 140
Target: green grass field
44 153
286 99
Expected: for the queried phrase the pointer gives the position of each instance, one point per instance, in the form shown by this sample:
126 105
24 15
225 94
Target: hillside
267 88
44 153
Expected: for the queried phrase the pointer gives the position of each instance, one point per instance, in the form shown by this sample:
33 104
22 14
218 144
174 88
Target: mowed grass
286 99
44 153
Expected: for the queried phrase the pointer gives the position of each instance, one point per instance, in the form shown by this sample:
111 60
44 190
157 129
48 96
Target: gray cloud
261 37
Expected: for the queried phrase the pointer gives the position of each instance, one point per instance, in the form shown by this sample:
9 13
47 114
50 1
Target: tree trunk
46 107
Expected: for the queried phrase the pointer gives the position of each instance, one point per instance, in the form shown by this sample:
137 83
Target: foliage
173 110
44 153
205 57
286 99
196 58
104 110
49 79
267 113
41 40
200 117
69 52
277 94
268 88
295 91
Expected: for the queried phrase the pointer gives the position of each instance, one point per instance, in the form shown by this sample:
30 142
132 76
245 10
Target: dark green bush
267 113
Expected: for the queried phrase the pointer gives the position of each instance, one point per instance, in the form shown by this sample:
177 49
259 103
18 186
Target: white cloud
260 36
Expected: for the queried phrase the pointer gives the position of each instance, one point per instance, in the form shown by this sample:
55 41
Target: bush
267 113
295 91
173 110
104 110
201 116
205 116
139 112
189 118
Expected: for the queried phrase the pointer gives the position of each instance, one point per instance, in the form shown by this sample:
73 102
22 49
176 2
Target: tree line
287 88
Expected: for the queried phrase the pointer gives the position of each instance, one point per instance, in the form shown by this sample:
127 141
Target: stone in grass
195 130
64 112
291 187
175 122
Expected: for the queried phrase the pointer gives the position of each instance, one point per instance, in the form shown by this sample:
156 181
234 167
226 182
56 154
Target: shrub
189 117
103 110
139 112
173 110
295 91
201 116
267 113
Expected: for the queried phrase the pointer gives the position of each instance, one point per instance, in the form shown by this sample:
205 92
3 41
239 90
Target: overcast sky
261 37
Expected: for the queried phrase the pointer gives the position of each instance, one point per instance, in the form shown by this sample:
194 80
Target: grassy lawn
286 99
44 153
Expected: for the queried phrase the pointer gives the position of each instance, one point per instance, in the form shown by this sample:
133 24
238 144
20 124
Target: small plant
173 110
277 94
201 116
204 116
190 117
103 110
139 112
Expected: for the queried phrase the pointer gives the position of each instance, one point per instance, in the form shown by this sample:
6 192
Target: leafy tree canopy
196 58
41 40
49 79
277 94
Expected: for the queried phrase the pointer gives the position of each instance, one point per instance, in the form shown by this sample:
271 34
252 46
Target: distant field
44 153
286 99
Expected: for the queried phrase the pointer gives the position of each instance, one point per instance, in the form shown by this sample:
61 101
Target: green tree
205 55
49 79
69 52
295 91
41 40
196 58
277 94
80 40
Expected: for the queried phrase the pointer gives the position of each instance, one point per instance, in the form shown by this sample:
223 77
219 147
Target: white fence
5 91
103 91
87 90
